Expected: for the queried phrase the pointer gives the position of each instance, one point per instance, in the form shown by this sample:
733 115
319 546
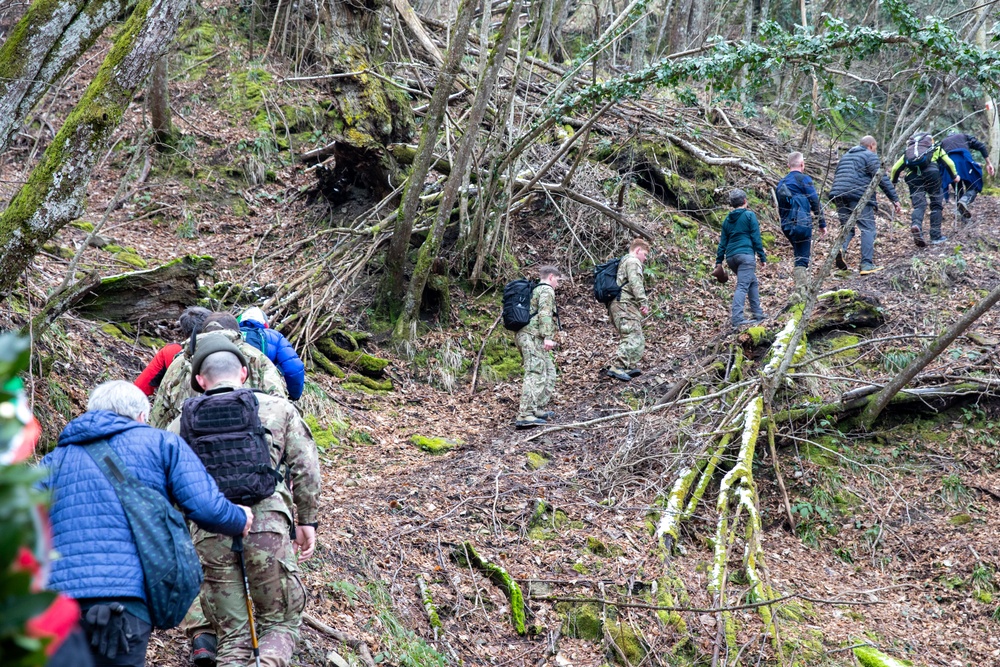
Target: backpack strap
113 467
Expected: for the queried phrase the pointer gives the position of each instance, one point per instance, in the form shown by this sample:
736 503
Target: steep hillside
895 538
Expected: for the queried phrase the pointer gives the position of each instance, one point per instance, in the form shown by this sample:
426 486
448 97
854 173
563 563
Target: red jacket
149 379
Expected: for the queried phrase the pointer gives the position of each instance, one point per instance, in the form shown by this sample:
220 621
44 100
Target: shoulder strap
111 465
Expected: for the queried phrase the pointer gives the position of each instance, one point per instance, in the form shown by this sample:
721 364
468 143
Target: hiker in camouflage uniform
176 385
271 564
536 341
626 312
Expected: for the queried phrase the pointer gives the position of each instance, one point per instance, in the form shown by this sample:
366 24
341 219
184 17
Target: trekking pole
238 550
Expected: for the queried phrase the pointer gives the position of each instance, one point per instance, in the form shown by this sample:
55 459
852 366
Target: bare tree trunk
396 255
54 192
992 118
159 104
931 352
463 156
46 41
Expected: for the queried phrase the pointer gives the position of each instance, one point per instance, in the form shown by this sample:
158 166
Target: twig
360 647
479 357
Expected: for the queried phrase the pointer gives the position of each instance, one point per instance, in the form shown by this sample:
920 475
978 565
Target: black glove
108 631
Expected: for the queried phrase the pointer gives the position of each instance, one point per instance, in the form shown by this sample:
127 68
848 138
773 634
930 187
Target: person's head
192 319
122 398
868 141
254 314
219 322
217 361
640 248
796 162
737 198
550 275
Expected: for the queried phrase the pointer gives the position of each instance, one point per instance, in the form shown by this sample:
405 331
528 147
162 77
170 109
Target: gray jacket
854 172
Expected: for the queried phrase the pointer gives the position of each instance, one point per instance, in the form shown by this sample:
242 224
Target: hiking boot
939 240
544 414
618 374
203 650
530 422
839 261
964 210
918 238
867 269
757 319
634 372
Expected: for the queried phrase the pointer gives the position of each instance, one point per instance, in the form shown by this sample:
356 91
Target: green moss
434 444
113 248
599 548
767 238
58 250
960 520
323 437
370 383
580 568
465 555
83 224
698 391
113 330
983 596
581 621
628 642
537 460
869 656
132 259
842 341
757 335
365 363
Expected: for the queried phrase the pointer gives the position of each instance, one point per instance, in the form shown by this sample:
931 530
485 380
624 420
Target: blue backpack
170 564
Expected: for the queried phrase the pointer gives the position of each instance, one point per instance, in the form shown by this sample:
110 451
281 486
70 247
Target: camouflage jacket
292 445
630 278
176 385
543 304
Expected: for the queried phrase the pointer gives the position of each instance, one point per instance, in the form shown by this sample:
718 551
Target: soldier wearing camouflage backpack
536 340
627 311
259 450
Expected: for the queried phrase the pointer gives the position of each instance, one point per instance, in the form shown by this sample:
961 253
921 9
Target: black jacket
854 172
958 141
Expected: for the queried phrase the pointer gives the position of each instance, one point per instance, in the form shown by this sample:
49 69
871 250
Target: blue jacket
854 172
740 236
968 170
280 352
97 556
805 199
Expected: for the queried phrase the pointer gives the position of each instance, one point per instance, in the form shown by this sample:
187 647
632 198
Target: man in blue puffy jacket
254 329
798 203
98 563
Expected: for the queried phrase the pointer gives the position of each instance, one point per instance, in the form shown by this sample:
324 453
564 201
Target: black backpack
919 149
517 303
606 287
224 430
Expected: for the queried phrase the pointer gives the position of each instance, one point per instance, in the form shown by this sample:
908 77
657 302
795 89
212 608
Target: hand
249 513
305 541
549 344
822 231
990 170
644 310
956 180
898 208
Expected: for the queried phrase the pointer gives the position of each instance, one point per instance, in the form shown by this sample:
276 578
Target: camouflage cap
210 345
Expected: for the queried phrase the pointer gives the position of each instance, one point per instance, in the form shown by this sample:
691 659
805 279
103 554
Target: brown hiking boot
840 262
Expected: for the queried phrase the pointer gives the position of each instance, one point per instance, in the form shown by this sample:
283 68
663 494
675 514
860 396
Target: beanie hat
255 314
210 345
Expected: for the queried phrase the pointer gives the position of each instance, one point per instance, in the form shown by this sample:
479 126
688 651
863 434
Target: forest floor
902 523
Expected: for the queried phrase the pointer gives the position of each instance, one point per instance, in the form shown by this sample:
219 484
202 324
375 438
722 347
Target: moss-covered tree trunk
463 157
55 190
396 256
49 38
371 113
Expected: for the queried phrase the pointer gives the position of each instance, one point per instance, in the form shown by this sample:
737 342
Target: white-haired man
99 565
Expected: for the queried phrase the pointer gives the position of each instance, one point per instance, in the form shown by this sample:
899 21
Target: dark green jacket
740 236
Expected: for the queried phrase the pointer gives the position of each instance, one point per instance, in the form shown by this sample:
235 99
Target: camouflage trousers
628 320
275 588
539 374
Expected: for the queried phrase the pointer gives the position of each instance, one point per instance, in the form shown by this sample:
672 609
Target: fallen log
466 556
153 294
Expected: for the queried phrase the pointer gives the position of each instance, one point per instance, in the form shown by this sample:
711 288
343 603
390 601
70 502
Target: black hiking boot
839 261
203 650
544 414
918 238
964 210
618 374
634 372
530 422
